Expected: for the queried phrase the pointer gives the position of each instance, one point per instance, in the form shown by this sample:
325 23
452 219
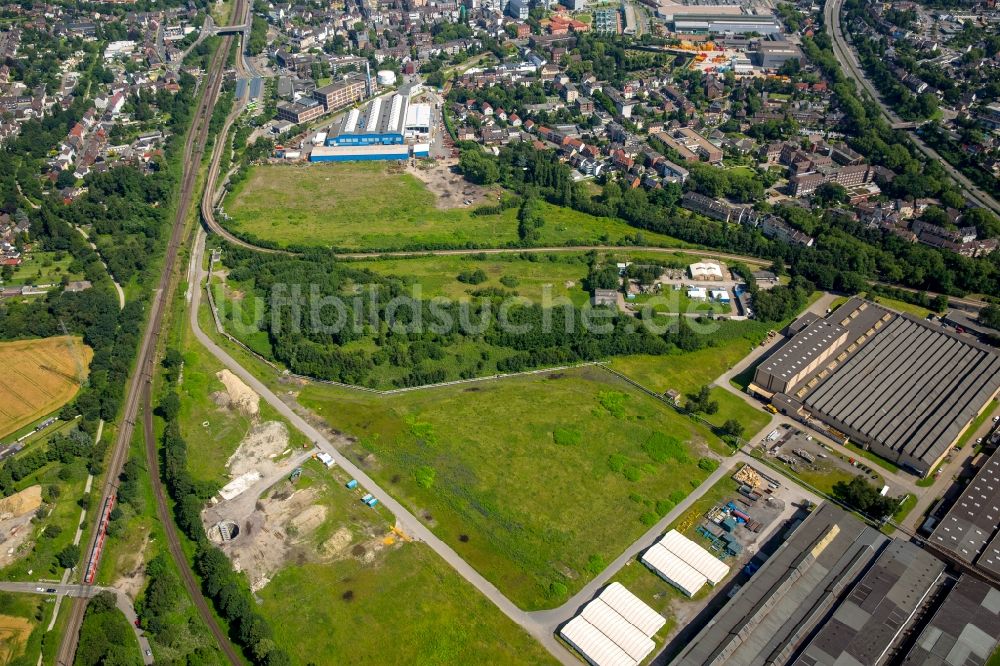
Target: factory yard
375 206
40 376
537 504
770 513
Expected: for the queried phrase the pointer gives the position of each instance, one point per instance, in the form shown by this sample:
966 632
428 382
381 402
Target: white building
615 629
705 270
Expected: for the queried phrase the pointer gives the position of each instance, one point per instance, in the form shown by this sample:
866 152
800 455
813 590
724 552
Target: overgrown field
39 377
366 205
361 592
537 481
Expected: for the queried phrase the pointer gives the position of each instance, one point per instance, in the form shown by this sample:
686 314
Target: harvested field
14 633
39 377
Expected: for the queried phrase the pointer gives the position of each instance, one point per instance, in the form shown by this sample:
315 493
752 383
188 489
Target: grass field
535 481
559 275
404 605
39 377
43 268
685 372
409 608
362 206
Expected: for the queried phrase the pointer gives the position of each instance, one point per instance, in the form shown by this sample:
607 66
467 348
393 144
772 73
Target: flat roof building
342 93
892 383
963 631
971 529
774 54
779 608
764 24
877 610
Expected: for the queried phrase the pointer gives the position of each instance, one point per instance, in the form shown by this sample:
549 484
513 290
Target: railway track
139 386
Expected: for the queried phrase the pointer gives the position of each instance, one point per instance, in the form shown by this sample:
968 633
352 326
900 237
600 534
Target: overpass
231 29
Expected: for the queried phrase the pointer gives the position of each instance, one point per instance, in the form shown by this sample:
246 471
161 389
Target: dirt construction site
16 513
449 187
277 510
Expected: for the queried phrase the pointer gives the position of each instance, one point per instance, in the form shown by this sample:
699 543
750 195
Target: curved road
406 521
848 60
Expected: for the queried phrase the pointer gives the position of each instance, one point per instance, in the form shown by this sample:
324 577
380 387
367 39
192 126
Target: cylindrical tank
386 77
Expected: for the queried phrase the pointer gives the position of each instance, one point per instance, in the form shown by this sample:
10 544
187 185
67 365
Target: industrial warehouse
971 529
388 128
904 388
615 629
839 592
684 564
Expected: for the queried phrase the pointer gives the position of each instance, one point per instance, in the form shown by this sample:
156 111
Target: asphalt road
405 520
848 60
76 591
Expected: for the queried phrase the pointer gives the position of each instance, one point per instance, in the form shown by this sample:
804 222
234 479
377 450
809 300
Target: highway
849 61
141 378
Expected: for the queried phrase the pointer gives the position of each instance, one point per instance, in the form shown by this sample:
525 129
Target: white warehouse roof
695 556
597 648
673 569
418 115
634 642
632 608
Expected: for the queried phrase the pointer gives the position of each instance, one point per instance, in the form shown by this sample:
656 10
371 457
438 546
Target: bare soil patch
449 187
241 397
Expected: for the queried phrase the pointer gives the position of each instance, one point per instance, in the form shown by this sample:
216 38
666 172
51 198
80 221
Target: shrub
663 507
649 518
566 436
558 589
708 464
424 476
661 448
509 281
596 564
617 462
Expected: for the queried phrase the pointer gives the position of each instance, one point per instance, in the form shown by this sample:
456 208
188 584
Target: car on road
39 589
149 653
51 590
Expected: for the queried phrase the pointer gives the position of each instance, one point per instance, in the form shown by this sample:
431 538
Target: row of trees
220 582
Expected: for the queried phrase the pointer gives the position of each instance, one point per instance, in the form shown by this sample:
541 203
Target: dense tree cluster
846 255
866 498
221 583
105 635
421 341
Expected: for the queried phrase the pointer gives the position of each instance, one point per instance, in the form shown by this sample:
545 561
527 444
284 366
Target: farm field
536 502
364 206
20 631
40 376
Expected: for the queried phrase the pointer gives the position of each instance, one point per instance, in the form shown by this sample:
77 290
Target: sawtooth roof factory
904 388
838 592
388 128
970 531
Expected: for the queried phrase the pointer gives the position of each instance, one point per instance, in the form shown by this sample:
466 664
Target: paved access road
405 520
75 591
849 62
